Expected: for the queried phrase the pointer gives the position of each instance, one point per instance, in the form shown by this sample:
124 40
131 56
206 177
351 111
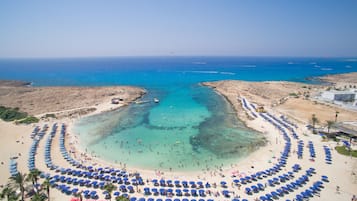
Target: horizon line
172 56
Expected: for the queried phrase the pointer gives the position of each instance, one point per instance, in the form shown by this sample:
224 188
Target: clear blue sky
324 28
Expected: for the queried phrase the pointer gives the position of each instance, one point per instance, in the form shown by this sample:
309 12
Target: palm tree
121 198
79 195
6 192
110 188
329 125
336 115
9 193
38 197
46 186
314 120
33 177
18 182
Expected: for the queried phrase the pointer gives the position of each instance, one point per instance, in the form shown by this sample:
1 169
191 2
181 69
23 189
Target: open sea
192 128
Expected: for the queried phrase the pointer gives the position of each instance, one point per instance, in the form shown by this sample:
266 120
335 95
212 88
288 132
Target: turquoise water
192 128
188 130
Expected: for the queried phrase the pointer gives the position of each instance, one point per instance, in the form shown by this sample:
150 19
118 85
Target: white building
343 96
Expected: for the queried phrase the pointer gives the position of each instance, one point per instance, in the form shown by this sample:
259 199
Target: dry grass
38 100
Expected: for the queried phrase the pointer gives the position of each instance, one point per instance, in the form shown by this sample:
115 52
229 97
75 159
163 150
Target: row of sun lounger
310 191
89 177
311 149
35 132
247 106
328 157
13 167
300 149
33 148
284 119
281 123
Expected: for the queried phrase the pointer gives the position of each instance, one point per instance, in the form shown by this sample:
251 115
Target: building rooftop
341 92
348 127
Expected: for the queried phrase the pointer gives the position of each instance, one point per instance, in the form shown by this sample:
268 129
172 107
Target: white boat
141 102
156 100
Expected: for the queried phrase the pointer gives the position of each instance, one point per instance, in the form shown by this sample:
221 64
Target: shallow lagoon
192 128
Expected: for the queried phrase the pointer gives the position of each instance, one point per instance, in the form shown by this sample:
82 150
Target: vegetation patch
11 114
344 151
294 95
50 116
29 120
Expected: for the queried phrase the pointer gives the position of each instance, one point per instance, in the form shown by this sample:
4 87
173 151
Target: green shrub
2 109
11 114
29 120
344 151
50 116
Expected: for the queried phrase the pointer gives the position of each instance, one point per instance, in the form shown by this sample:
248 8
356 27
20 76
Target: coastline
237 110
215 174
257 160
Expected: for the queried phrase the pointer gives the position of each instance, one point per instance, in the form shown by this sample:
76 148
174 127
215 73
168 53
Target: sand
15 142
299 110
66 101
274 96
348 78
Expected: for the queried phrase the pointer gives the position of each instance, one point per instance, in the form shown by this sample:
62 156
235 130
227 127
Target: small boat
141 102
156 100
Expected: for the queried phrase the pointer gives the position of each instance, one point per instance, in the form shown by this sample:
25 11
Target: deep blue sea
157 72
192 128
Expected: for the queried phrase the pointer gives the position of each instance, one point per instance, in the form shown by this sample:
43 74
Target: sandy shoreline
273 95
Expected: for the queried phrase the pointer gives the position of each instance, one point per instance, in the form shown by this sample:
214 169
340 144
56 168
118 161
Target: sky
304 28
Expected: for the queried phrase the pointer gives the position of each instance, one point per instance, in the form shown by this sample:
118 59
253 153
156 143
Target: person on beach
354 198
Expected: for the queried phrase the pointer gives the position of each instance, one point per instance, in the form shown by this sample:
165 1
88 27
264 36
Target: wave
227 73
202 71
208 72
247 66
325 69
351 60
199 63
348 66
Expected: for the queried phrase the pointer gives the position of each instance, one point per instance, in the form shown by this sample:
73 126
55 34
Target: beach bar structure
346 130
260 109
116 100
